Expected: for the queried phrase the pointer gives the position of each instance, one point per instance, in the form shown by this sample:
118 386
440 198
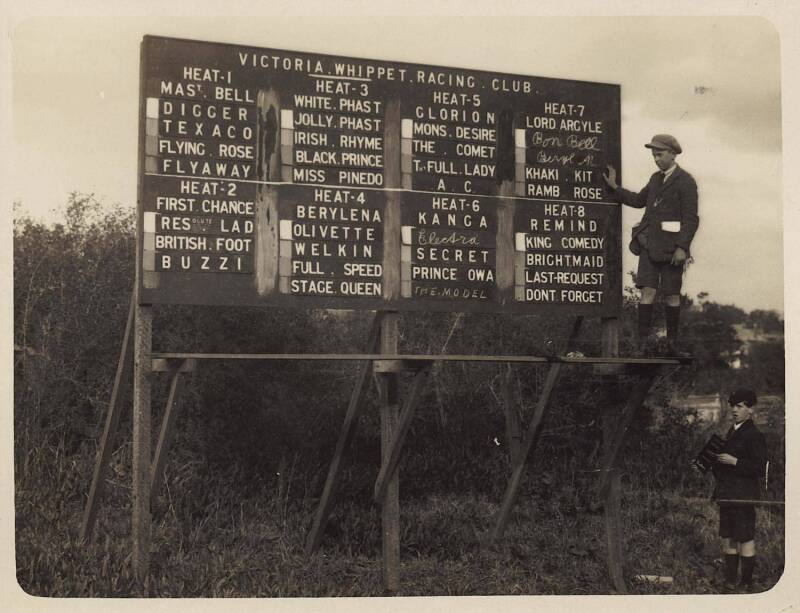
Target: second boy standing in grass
737 470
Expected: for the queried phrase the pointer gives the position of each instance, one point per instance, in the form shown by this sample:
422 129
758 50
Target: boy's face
664 158
741 412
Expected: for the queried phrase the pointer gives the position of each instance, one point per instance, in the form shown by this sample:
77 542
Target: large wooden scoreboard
295 179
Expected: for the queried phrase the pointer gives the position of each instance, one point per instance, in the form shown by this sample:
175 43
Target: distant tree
765 321
764 366
726 313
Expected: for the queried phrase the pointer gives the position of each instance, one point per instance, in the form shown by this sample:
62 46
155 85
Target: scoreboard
272 177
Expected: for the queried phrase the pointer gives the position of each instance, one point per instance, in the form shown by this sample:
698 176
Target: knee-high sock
672 314
645 320
747 569
731 567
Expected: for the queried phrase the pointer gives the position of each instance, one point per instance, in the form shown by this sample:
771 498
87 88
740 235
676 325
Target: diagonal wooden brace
167 424
348 427
110 430
528 443
632 405
399 435
531 438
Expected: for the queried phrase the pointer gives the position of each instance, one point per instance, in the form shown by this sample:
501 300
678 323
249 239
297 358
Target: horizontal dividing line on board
379 189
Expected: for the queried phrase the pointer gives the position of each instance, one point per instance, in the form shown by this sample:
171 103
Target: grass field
227 543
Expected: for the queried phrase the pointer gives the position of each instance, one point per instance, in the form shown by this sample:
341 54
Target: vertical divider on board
520 238
287 144
287 167
519 158
392 250
150 277
268 171
406 143
506 207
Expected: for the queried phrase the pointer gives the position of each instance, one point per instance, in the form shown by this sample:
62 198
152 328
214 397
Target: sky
713 82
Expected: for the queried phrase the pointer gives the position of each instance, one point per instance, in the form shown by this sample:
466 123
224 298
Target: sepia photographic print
320 307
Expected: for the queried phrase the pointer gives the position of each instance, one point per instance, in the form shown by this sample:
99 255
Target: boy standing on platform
663 236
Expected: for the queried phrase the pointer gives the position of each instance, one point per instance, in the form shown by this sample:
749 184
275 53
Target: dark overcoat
740 482
670 218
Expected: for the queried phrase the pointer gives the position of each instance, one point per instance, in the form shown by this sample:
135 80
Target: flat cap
743 394
664 141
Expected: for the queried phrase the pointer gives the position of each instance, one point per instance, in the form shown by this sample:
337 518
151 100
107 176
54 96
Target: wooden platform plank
522 359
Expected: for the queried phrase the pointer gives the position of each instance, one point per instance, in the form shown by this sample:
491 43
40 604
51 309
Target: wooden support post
513 421
345 435
97 488
612 511
614 429
167 427
531 438
143 331
612 502
389 469
390 510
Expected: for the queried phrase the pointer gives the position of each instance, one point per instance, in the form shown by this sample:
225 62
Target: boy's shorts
659 274
737 522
